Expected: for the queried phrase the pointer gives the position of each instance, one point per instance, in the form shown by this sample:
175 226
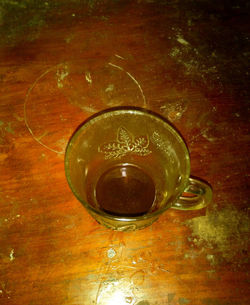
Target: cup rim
126 109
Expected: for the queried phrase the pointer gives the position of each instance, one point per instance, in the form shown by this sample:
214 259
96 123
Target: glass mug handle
197 195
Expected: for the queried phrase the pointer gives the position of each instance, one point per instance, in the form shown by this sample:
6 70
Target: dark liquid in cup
125 190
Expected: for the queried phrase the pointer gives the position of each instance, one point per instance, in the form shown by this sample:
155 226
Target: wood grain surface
62 61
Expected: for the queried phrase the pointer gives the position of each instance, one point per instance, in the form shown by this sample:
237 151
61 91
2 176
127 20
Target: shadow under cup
127 166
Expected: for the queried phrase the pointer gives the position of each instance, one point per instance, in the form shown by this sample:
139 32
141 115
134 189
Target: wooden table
63 61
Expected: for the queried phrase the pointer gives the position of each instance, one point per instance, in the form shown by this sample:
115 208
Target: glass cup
129 165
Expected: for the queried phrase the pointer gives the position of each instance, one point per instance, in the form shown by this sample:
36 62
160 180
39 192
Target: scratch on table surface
88 77
17 117
119 56
181 40
110 88
6 128
42 135
62 143
109 281
4 290
61 75
12 257
103 269
205 135
106 266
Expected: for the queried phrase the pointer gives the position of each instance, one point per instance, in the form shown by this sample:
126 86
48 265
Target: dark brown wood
61 62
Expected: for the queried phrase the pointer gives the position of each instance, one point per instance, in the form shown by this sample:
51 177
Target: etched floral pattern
164 145
125 143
